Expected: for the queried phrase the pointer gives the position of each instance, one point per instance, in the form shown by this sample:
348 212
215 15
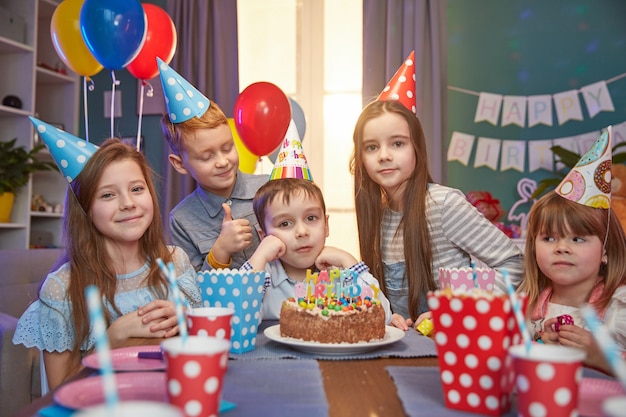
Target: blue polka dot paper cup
243 292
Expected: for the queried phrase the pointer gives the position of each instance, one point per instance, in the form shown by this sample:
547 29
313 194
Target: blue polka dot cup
243 292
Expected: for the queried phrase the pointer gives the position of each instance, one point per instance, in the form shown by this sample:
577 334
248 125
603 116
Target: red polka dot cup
210 321
547 379
195 372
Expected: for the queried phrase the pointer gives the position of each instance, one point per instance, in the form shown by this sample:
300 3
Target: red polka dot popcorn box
473 331
243 292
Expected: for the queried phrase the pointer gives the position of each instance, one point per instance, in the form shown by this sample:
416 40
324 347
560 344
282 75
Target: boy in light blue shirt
215 224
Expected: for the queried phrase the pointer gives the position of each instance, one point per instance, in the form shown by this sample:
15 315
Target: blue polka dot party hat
182 99
290 161
589 182
69 152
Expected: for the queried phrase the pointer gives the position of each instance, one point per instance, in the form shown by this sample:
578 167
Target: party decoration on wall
160 42
519 210
114 30
68 41
401 87
530 111
503 154
297 115
247 160
262 115
69 152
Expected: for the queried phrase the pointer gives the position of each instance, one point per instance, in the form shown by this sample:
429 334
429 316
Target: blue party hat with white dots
69 152
182 99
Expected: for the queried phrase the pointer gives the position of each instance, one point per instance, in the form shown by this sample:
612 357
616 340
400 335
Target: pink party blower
210 321
195 370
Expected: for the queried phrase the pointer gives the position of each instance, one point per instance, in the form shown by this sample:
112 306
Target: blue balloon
297 114
114 30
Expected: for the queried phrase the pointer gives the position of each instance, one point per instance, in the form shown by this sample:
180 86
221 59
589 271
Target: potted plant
569 160
16 165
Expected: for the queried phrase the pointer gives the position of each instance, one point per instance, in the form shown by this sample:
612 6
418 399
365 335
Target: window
312 50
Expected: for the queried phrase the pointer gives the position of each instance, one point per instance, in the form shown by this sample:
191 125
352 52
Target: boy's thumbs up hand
236 235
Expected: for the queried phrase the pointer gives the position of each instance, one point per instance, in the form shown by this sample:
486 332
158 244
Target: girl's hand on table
400 322
160 316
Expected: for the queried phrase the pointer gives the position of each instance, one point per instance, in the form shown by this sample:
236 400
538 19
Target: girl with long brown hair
114 236
409 227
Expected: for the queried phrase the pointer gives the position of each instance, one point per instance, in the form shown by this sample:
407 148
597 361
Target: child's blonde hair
176 133
557 216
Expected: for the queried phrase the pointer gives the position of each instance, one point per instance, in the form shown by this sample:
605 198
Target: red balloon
262 115
160 42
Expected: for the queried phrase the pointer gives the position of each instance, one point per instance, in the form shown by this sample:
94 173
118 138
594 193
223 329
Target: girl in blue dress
113 235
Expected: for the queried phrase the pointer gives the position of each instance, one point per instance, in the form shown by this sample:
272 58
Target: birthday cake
331 309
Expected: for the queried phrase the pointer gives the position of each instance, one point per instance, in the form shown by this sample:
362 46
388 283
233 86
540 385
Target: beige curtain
391 30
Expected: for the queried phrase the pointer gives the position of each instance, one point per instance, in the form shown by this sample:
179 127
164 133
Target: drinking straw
517 309
170 274
609 348
94 304
474 277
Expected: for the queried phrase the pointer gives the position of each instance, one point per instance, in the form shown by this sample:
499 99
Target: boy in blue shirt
215 224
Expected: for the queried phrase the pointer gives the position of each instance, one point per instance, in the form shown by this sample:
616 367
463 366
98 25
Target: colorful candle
103 353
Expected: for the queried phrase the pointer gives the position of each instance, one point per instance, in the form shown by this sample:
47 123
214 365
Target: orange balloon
247 160
68 40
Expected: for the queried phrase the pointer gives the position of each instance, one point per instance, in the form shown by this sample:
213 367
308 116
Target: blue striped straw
517 309
474 277
96 316
609 348
170 274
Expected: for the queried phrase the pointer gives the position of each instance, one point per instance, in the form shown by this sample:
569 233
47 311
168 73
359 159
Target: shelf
9 46
46 76
29 71
12 225
45 214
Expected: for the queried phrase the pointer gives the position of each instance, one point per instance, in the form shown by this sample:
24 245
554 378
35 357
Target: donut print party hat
589 182
290 161
69 152
182 99
401 87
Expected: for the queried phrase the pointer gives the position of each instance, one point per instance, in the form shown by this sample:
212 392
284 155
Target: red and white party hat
589 182
290 161
401 87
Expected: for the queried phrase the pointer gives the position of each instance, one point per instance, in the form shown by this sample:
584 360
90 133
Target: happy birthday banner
504 154
537 109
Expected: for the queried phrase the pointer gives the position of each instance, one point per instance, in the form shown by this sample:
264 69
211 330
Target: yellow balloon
68 39
247 160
